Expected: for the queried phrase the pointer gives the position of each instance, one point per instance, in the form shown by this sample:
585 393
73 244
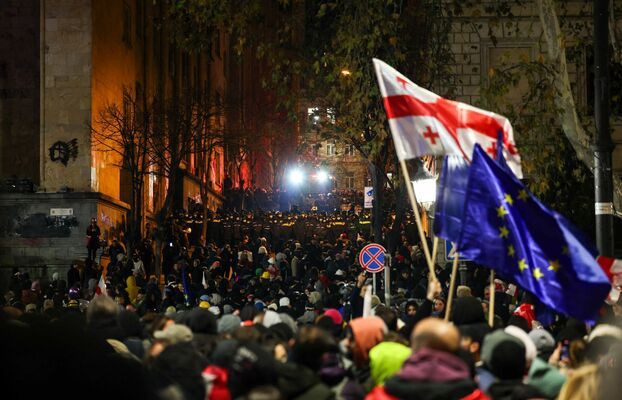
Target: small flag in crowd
100 289
507 229
424 123
613 269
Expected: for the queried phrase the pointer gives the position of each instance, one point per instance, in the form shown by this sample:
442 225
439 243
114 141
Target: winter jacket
430 374
546 378
300 383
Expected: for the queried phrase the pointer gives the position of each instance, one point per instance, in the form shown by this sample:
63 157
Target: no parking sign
371 258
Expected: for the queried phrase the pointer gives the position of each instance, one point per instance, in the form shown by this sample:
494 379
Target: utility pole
603 184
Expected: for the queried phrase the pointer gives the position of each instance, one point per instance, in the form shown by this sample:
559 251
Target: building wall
66 92
19 89
343 165
117 61
519 38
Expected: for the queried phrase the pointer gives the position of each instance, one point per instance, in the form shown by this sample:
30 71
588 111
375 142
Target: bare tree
210 137
124 131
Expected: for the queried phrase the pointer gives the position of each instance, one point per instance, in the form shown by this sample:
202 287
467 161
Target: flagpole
491 306
435 248
413 203
452 285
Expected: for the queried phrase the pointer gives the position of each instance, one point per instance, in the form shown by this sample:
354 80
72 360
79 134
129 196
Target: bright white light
296 177
322 176
425 190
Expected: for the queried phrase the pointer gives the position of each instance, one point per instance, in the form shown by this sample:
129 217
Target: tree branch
569 118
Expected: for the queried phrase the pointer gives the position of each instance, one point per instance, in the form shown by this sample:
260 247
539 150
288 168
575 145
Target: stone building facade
61 63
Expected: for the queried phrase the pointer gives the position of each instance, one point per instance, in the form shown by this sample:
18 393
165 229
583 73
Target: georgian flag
100 289
424 123
613 269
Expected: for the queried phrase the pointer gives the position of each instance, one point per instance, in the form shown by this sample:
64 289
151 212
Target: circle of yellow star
509 199
554 265
511 251
523 195
522 265
537 273
503 232
501 211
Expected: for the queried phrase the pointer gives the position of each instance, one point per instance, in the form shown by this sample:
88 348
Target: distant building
61 63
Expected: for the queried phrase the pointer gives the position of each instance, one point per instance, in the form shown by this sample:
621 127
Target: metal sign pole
387 280
374 284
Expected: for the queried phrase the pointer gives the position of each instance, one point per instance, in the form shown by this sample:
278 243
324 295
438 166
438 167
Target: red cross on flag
424 123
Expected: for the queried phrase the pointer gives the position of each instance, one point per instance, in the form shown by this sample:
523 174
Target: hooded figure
385 359
362 335
131 288
366 332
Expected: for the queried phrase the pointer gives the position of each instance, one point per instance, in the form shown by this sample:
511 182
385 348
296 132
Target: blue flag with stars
504 227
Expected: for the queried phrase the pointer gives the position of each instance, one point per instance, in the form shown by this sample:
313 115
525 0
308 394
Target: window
330 149
349 180
349 150
127 24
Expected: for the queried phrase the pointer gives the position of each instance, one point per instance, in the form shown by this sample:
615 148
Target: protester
272 304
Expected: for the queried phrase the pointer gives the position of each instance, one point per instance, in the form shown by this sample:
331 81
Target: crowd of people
287 313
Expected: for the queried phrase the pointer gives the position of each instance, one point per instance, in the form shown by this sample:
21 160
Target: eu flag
450 198
507 229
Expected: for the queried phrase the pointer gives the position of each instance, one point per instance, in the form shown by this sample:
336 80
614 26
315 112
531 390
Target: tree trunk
569 118
205 194
377 178
161 218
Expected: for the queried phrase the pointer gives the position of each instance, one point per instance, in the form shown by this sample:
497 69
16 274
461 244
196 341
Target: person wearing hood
362 335
433 290
131 288
433 371
386 359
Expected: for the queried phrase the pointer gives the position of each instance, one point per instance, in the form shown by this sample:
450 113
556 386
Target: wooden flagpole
491 306
452 286
413 203
435 248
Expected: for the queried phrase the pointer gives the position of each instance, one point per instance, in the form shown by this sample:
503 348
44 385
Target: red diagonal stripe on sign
372 258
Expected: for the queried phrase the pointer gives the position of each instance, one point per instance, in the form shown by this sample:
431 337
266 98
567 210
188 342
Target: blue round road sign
371 258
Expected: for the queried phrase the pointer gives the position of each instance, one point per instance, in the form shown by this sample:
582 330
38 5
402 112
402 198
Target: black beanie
468 310
508 361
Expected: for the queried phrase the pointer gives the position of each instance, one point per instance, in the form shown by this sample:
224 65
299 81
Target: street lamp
424 185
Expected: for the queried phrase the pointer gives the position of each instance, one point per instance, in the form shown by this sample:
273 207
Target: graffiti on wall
63 151
40 225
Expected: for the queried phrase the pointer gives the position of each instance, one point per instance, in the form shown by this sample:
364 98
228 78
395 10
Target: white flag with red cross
613 269
424 123
100 289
